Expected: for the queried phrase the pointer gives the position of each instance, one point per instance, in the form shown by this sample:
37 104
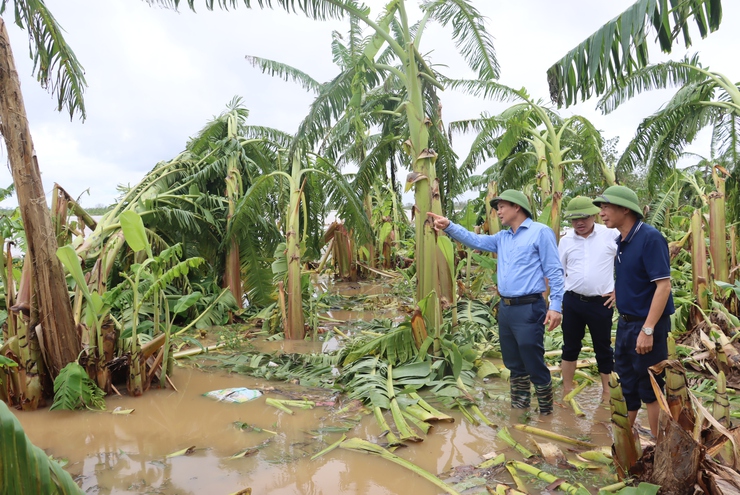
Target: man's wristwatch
648 331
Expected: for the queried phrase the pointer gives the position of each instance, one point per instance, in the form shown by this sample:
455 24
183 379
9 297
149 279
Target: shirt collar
633 232
526 224
593 234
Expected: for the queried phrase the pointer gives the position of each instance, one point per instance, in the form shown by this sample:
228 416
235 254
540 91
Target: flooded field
117 454
180 442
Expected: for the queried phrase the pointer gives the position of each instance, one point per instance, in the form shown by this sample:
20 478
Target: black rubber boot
544 398
520 392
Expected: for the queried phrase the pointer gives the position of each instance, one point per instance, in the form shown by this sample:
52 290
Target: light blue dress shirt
524 259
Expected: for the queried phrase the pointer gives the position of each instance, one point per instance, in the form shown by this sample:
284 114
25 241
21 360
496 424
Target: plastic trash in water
236 395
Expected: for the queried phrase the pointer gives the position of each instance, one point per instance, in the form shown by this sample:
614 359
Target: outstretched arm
463 235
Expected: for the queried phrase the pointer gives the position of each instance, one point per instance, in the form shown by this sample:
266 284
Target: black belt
516 301
583 298
631 318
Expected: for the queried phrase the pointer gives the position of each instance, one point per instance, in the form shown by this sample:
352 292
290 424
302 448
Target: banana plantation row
231 228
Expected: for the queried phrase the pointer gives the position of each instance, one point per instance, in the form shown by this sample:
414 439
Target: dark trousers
521 335
579 313
632 368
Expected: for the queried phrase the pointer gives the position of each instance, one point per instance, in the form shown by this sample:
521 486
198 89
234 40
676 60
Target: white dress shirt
589 261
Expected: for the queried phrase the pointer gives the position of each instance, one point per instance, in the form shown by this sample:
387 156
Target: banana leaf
25 468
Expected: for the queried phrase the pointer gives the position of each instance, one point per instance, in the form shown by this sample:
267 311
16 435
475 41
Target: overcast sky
155 76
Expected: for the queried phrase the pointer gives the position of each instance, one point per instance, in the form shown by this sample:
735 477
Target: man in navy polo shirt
527 253
643 291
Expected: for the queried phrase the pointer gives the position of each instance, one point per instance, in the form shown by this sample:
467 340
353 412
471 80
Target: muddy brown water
118 454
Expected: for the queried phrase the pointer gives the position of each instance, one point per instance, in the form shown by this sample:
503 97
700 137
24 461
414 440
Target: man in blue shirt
643 291
527 254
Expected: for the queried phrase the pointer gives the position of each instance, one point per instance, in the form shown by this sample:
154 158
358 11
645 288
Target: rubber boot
544 398
520 392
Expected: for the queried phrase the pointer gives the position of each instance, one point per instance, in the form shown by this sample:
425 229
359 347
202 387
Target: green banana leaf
24 468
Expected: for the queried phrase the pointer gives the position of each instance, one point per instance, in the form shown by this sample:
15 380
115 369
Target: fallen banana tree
694 452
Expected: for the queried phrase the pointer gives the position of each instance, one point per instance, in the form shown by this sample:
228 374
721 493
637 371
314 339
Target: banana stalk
555 436
278 405
482 416
547 477
576 408
401 424
365 447
625 449
284 404
698 425
492 223
301 404
9 286
559 352
515 476
466 414
329 448
717 227
733 356
504 435
496 461
600 456
570 398
721 405
613 488
575 391
503 490
391 438
581 363
579 464
418 412
421 425
676 391
437 415
700 273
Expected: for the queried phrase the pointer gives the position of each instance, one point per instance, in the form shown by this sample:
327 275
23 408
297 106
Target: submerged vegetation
241 230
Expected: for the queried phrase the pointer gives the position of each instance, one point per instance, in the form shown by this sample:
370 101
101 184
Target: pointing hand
438 221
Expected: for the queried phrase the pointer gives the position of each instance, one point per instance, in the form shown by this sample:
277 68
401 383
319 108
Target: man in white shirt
587 254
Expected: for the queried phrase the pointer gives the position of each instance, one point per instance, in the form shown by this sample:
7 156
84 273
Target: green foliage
313 370
729 288
620 46
134 231
396 345
473 311
73 389
25 468
213 307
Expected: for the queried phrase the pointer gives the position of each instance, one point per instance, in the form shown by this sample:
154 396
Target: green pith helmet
620 196
513 196
580 207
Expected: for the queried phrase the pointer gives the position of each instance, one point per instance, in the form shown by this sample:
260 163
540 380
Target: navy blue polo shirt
642 259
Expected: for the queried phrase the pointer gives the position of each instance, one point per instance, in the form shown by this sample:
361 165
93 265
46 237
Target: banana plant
95 312
321 177
530 135
396 39
148 281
